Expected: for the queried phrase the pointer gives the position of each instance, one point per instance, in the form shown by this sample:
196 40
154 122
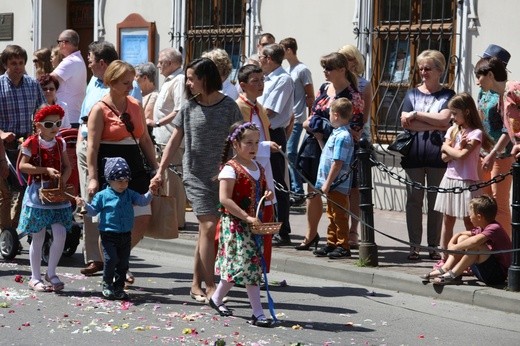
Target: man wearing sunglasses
20 97
72 75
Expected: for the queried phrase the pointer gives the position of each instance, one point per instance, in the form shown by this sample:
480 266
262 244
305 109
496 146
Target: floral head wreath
45 111
240 128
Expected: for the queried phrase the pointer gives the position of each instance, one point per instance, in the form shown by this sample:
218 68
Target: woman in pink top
461 150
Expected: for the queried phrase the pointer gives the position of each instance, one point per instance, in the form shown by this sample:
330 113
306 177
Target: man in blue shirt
278 100
20 97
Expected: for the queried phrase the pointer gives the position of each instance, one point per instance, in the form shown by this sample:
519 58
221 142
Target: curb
481 296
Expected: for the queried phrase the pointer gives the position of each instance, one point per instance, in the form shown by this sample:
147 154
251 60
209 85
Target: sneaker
339 252
108 292
324 251
120 294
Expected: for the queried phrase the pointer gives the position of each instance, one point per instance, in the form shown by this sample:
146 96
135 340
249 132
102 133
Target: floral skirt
33 220
238 255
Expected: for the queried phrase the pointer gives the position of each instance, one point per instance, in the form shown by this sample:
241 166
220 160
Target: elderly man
166 107
101 54
72 75
278 100
20 97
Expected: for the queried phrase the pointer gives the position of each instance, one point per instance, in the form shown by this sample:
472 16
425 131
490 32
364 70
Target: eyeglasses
35 60
60 41
49 89
125 118
425 69
50 124
328 68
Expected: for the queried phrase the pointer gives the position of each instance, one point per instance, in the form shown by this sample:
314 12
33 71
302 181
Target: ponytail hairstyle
466 104
235 134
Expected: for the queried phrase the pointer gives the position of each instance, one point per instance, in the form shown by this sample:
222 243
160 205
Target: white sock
253 293
222 290
35 254
58 242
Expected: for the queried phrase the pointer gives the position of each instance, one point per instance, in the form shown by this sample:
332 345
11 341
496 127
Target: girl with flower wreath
44 159
239 255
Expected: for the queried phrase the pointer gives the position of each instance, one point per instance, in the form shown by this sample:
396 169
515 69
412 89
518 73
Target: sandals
55 282
428 276
38 286
434 255
221 309
413 256
201 298
448 279
129 278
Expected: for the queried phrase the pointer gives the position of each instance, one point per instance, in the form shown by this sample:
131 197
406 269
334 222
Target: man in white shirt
167 105
278 100
72 75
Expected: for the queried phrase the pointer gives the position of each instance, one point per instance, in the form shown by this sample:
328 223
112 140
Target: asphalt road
311 312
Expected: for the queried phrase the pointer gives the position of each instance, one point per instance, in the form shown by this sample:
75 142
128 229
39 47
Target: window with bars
216 24
402 30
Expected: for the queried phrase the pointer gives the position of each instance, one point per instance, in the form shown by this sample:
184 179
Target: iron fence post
367 245
513 281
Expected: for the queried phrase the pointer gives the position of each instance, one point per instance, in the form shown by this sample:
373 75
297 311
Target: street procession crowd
245 150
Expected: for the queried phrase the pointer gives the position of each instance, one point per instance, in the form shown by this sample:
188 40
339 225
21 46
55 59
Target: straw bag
59 194
266 227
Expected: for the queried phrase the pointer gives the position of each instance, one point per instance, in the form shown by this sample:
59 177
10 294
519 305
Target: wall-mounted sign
6 26
136 40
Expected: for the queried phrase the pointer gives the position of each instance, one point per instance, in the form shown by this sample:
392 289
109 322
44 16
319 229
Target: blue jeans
292 153
116 250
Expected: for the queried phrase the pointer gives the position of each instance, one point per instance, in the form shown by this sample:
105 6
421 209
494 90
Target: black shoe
297 201
221 309
279 240
324 251
260 321
120 294
339 252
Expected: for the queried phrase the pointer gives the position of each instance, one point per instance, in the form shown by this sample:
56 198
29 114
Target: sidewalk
394 271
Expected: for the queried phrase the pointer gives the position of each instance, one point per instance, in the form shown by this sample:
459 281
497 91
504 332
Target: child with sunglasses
44 159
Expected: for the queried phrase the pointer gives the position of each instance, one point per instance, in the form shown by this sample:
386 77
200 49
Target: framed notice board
136 40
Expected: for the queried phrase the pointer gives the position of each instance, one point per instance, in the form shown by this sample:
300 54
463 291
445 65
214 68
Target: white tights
35 250
253 293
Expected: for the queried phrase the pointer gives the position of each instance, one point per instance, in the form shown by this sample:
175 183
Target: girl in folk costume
44 159
239 256
251 79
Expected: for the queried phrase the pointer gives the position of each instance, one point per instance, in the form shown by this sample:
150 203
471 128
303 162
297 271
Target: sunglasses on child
50 124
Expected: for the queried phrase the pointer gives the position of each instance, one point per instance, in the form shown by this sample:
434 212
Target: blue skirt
33 220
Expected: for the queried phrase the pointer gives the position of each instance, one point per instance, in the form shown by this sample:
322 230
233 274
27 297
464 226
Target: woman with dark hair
203 123
340 82
491 75
42 62
49 86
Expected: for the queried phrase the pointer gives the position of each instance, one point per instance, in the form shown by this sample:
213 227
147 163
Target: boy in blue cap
114 204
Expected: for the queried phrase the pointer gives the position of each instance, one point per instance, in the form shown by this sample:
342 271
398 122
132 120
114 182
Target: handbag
402 143
163 223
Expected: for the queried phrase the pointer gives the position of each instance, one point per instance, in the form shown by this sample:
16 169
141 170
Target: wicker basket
266 227
59 194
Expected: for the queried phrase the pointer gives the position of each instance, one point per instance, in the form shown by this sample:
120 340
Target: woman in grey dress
203 123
